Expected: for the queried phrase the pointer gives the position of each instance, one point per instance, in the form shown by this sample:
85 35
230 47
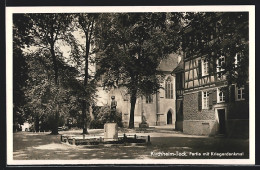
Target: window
149 98
205 67
168 88
220 96
240 93
220 64
205 100
237 59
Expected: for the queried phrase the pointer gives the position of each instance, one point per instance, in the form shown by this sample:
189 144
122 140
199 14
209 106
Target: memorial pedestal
143 125
110 132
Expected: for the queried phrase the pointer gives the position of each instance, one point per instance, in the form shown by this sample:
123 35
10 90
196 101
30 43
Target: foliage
131 46
220 34
43 96
50 86
101 116
86 22
55 89
20 70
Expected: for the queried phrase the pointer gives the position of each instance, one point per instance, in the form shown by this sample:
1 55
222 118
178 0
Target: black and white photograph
130 85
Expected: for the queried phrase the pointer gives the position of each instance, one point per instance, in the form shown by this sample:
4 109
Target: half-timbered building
211 105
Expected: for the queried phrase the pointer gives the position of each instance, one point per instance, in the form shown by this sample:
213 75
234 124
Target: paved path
42 146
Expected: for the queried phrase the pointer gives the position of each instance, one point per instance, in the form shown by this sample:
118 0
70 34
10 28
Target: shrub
101 116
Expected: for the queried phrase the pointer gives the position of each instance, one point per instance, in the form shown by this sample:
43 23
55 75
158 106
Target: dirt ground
165 144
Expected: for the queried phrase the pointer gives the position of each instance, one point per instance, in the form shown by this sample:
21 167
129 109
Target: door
222 121
169 117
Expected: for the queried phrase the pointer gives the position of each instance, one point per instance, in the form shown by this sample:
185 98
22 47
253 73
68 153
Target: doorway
169 117
222 121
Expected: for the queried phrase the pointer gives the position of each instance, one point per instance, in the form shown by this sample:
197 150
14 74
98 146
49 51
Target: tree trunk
84 117
132 110
85 104
37 123
56 118
85 108
55 66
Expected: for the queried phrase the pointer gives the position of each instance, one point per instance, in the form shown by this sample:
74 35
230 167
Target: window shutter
210 100
247 92
210 66
199 101
199 69
226 93
232 93
214 97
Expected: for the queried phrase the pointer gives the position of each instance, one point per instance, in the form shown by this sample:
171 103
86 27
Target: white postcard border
211 8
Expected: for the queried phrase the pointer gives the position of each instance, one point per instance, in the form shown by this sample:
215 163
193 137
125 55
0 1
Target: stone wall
200 127
197 122
205 122
191 109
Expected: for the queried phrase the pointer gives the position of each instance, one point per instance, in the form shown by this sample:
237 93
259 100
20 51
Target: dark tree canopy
131 46
220 34
20 67
128 49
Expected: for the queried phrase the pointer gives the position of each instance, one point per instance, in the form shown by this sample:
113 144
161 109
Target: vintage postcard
130 85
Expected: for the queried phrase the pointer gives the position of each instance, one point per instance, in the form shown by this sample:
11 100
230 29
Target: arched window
149 98
168 88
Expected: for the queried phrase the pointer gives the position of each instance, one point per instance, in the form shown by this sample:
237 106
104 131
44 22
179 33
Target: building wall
237 128
191 109
239 110
149 109
206 121
179 114
165 106
102 97
197 122
200 127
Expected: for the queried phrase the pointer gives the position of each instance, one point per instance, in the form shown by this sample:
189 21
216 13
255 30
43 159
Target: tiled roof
169 64
179 68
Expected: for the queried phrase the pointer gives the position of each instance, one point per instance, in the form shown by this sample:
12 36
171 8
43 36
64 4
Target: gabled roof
169 64
179 68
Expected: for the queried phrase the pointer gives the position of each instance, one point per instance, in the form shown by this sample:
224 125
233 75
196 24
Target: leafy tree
131 46
42 95
46 31
50 74
220 34
86 22
101 116
48 36
20 68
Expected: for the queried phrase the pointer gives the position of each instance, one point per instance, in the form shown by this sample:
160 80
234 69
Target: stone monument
111 128
144 123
